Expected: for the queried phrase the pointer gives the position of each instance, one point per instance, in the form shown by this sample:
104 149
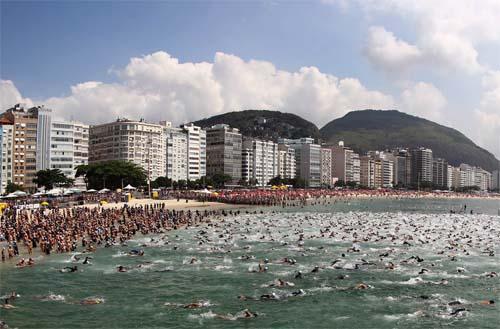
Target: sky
185 60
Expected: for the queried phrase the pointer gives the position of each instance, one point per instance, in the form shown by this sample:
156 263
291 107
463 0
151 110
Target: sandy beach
169 204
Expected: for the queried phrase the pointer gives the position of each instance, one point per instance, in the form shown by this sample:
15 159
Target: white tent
104 190
129 187
54 192
75 190
91 191
205 191
38 194
19 193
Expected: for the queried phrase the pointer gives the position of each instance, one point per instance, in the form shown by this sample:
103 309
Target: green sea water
150 293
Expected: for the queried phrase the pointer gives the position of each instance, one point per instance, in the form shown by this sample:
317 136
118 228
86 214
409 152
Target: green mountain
263 124
379 130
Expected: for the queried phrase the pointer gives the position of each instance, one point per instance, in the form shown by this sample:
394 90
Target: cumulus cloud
159 87
9 95
488 114
447 32
424 100
389 53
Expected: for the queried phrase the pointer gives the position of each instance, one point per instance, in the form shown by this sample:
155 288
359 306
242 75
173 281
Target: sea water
204 264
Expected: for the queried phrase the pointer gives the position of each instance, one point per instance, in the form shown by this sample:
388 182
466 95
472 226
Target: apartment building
307 159
6 156
346 165
177 155
326 167
196 151
69 147
224 146
259 161
139 142
421 168
286 161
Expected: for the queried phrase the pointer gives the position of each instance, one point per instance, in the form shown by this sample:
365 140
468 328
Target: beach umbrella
91 191
104 190
129 187
44 203
76 190
20 193
38 194
103 202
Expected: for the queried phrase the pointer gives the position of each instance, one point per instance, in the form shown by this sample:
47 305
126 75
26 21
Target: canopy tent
38 194
91 191
129 187
104 190
20 193
205 191
75 190
54 192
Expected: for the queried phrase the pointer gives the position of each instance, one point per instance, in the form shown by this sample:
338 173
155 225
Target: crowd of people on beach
299 197
62 230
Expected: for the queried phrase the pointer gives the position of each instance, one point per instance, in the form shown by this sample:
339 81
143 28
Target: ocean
352 245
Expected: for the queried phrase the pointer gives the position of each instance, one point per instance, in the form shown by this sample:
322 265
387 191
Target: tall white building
6 161
286 161
176 152
139 142
495 180
69 146
259 160
470 176
326 167
196 151
307 159
43 138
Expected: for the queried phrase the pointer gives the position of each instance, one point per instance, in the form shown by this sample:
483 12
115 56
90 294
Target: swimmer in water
69 269
487 302
87 261
121 268
91 301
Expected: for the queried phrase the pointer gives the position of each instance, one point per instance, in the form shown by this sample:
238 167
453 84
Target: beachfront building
467 176
176 152
307 159
495 180
24 121
401 158
196 151
367 174
449 183
286 161
440 173
139 142
346 165
6 159
326 167
421 166
43 138
224 145
69 148
259 161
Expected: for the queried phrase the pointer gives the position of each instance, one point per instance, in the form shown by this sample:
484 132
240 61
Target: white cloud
158 86
9 95
389 53
424 100
488 114
447 32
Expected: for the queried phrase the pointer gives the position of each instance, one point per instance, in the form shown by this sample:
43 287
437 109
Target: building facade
346 164
440 173
196 151
24 146
421 168
136 141
326 167
286 161
176 142
43 138
307 159
259 161
69 147
6 161
495 180
224 146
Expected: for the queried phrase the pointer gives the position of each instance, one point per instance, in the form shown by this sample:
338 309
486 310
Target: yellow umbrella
44 203
3 205
103 202
215 193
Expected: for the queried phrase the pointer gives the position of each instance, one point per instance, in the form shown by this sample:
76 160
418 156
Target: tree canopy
49 178
112 174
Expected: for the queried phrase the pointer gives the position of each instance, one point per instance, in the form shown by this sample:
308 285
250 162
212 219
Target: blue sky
317 59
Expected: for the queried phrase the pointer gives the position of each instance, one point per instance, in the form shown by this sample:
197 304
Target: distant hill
263 124
379 130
